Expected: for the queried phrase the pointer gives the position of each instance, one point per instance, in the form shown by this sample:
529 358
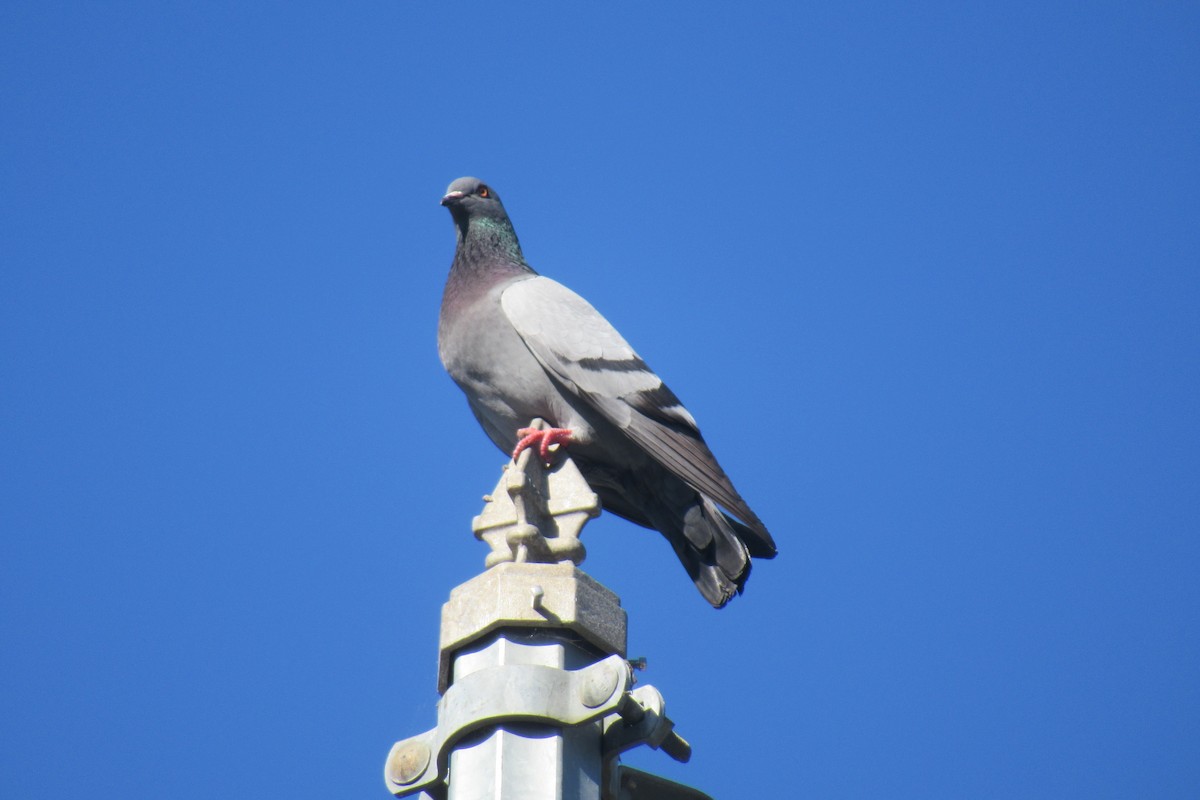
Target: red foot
545 439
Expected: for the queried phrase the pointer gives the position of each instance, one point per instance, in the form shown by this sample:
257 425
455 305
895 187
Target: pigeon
522 346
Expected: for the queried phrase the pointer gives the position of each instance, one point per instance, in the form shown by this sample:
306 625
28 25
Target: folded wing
587 356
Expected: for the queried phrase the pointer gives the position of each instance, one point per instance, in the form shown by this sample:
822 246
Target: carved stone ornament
536 512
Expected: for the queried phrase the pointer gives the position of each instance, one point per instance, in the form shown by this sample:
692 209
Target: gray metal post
537 697
526 759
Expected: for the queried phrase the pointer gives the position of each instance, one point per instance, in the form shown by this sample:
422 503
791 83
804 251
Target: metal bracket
510 693
644 721
633 784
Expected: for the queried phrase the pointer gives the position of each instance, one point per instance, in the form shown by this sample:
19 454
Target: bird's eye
485 191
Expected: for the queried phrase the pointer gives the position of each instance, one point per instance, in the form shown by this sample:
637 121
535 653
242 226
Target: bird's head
482 223
471 198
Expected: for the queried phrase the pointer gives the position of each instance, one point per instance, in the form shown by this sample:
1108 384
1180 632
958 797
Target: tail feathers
755 537
713 550
702 520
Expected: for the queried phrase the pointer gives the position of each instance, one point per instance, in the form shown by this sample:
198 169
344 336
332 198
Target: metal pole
544 643
526 760
537 697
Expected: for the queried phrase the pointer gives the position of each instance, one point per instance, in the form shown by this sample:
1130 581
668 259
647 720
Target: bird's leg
545 439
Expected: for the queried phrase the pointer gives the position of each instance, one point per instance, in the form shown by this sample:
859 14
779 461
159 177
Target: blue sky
928 278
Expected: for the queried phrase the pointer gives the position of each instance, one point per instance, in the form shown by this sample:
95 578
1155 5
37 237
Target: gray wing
584 352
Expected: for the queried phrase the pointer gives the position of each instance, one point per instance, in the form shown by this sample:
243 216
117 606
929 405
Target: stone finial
536 512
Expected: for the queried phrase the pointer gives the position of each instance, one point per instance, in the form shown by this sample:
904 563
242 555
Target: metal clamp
510 693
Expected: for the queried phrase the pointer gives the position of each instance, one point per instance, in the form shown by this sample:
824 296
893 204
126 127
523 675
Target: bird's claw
545 439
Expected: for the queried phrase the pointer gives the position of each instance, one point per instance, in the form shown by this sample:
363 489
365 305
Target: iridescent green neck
493 236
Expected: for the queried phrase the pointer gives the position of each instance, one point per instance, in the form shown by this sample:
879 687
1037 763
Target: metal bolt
677 747
407 763
598 686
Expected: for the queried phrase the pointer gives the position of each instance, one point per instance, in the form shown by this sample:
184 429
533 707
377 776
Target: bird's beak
451 198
